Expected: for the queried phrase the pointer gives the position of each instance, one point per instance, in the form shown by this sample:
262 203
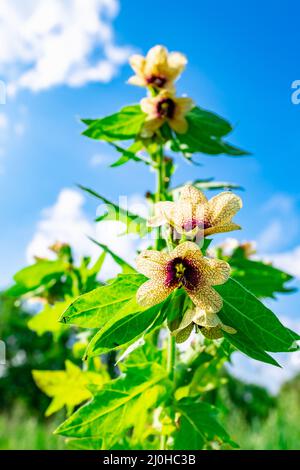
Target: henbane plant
165 326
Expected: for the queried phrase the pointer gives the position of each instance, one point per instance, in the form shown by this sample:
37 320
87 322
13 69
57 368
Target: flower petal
136 80
223 207
215 271
152 263
176 64
221 228
209 320
184 105
179 124
183 335
152 292
148 106
191 194
137 63
187 217
163 213
206 298
150 127
156 60
188 250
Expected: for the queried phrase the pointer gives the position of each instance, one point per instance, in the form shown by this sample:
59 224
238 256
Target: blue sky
242 62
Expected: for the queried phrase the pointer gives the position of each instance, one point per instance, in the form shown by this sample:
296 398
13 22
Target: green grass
279 431
19 431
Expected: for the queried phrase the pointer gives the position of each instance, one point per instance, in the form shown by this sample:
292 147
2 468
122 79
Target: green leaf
87 443
208 122
118 404
48 320
211 185
32 277
95 308
205 134
249 347
126 267
127 325
129 154
198 425
66 388
263 280
244 312
134 223
124 125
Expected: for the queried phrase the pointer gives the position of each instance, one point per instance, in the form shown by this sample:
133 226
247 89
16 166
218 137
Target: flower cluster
158 71
185 266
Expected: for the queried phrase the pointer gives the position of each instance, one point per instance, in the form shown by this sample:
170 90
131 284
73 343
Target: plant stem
171 356
160 188
160 195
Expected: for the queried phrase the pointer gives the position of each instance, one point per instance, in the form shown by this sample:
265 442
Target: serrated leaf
198 425
205 132
118 404
134 223
208 122
66 388
128 324
248 346
124 125
211 185
263 280
245 313
39 273
48 320
95 308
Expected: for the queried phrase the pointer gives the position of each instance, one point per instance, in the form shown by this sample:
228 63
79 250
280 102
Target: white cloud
99 159
66 221
288 261
282 213
3 121
54 42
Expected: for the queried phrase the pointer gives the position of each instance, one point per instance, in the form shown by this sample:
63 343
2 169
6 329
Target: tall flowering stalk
152 394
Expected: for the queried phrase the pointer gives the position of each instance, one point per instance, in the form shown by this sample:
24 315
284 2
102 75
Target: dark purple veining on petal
182 272
166 108
156 80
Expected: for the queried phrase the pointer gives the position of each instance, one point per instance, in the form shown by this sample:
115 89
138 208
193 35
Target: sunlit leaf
128 324
66 388
244 312
48 320
95 308
198 425
118 405
123 125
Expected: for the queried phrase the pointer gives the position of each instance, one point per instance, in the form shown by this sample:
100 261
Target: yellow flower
209 324
193 212
165 107
185 267
158 69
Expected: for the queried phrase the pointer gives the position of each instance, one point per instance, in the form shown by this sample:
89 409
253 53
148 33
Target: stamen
166 108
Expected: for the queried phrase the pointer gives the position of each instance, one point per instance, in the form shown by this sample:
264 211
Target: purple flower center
166 108
181 272
193 223
156 80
